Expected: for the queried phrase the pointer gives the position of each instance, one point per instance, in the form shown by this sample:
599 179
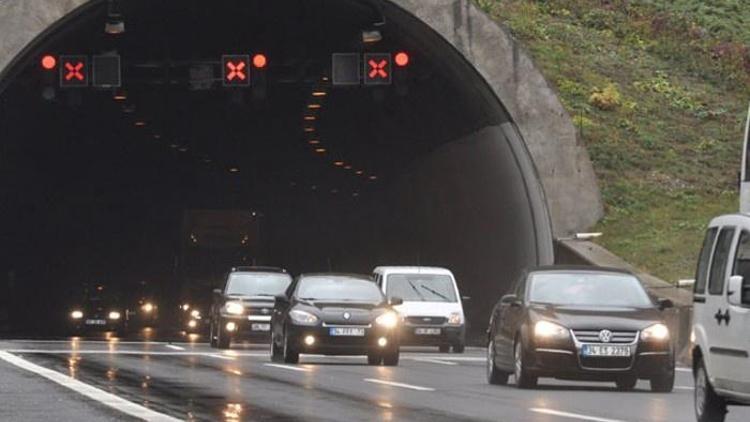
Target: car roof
344 275
578 269
258 269
413 270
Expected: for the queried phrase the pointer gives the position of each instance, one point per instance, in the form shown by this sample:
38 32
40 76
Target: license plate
260 327
96 322
346 331
427 331
602 350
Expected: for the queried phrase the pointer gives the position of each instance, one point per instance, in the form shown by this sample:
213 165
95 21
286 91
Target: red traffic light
49 62
260 61
402 59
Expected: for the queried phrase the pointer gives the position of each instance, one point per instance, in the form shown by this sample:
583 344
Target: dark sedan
335 314
580 323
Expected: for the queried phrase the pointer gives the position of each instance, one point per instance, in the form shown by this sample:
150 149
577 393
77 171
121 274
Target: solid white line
572 415
683 387
173 347
288 367
129 352
450 358
108 399
683 369
438 361
217 356
398 384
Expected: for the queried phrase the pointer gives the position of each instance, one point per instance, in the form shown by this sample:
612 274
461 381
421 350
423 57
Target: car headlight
455 319
546 330
114 315
388 319
76 314
185 307
656 332
303 317
234 308
147 307
195 313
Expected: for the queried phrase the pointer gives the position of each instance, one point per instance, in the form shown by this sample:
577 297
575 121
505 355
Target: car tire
663 383
391 358
291 355
524 379
444 348
374 359
494 375
223 341
459 348
626 382
212 336
709 406
277 353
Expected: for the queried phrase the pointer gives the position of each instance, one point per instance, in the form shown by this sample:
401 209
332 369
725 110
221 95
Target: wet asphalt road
190 381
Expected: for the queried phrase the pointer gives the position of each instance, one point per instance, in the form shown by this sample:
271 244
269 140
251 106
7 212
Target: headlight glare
455 318
546 330
234 308
114 315
76 314
656 332
387 319
303 317
147 307
195 313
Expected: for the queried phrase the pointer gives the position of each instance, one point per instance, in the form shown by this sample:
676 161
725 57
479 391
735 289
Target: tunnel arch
539 153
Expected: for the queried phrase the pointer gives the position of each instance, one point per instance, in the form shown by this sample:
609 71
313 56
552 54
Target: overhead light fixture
319 93
309 129
119 96
314 106
114 24
310 118
139 123
234 170
373 177
313 142
371 36
320 150
338 163
360 172
348 167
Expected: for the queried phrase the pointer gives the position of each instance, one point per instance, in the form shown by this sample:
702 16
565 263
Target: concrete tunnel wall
563 165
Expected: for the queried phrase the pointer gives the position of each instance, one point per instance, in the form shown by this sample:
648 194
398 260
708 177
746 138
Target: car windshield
588 289
421 287
333 288
257 284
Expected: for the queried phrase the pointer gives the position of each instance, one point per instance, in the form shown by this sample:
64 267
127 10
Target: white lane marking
398 384
288 367
683 369
435 360
173 347
683 387
218 356
128 352
108 399
450 358
572 415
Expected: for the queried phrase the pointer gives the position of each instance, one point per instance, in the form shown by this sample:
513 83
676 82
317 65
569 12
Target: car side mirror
395 301
735 289
281 299
665 304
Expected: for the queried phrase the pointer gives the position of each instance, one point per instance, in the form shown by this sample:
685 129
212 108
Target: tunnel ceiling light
234 170
157 136
402 59
309 129
183 149
128 108
320 150
371 36
119 96
360 172
114 24
310 118
338 163
319 93
139 123
314 106
373 177
49 62
260 61
313 142
173 145
348 167
355 194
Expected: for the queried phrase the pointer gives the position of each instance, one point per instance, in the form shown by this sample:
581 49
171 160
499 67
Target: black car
580 323
242 309
335 314
97 308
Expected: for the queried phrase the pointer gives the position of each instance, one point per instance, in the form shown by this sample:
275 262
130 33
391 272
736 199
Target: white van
721 320
432 310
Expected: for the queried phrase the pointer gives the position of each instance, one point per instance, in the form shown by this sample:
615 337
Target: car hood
439 309
360 313
590 318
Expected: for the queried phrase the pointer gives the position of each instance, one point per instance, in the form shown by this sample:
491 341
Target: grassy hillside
659 91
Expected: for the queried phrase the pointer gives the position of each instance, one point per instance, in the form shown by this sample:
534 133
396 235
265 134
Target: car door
719 334
509 318
739 314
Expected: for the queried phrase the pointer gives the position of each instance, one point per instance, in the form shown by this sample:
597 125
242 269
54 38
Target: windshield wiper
435 292
415 289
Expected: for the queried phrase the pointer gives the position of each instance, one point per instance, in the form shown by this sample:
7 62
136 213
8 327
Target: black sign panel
345 69
105 71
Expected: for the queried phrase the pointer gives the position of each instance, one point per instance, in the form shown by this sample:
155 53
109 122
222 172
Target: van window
719 263
742 257
701 274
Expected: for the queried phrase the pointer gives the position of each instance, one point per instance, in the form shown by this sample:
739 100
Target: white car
721 320
432 311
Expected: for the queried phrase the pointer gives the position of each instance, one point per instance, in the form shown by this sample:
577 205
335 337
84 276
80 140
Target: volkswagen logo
265 311
347 315
426 319
605 336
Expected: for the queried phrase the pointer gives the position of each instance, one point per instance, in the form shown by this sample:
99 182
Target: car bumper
255 330
570 364
327 344
448 335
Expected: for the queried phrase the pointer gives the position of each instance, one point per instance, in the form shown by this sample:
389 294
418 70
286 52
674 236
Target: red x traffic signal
74 71
235 70
378 69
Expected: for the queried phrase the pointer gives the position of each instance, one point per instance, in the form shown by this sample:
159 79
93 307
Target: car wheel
374 358
222 339
709 406
459 348
494 375
291 355
663 383
626 383
212 336
523 378
391 358
444 348
277 353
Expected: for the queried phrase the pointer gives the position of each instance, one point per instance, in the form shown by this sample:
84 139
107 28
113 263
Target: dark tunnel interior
103 186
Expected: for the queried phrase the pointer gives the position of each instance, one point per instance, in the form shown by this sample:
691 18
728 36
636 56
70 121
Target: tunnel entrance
100 184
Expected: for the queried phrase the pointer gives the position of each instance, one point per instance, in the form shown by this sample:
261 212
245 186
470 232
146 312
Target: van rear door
745 171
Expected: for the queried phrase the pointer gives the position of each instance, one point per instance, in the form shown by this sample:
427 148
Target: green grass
659 91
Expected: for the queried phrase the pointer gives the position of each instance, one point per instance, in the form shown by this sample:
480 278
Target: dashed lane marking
398 384
435 360
173 347
287 367
576 416
93 393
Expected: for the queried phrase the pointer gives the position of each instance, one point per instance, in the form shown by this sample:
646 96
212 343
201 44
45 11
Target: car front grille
617 337
425 320
606 362
256 310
